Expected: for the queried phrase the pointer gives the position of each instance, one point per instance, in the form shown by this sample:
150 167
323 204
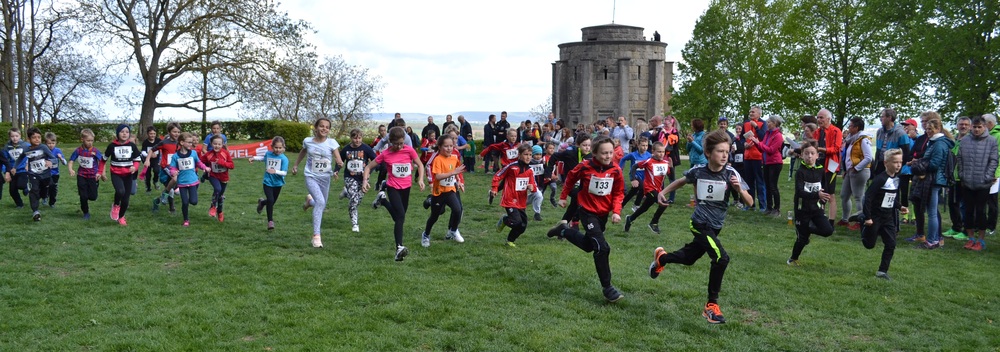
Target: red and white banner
249 149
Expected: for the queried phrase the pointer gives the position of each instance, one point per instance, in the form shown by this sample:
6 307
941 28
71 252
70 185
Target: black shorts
831 182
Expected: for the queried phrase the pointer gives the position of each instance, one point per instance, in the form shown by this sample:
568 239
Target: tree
540 113
957 44
69 84
26 35
284 93
161 38
346 94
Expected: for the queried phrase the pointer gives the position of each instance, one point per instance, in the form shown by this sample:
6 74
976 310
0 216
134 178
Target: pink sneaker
221 217
114 212
270 225
121 221
187 223
211 211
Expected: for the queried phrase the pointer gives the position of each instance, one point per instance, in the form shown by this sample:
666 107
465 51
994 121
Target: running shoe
655 228
990 232
500 224
917 238
187 223
212 211
538 217
655 268
883 275
634 208
491 198
378 199
457 236
86 216
308 203
270 225
121 221
343 193
612 295
960 236
156 204
843 223
854 226
355 228
37 216
713 314
221 217
425 240
401 253
317 241
949 233
557 231
114 212
628 222
553 201
260 205
792 262
978 246
511 244
969 244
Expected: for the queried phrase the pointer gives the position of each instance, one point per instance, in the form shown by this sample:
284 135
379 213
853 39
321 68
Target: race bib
401 170
448 182
601 186
123 152
355 166
538 169
216 168
86 162
521 184
738 158
274 164
511 153
321 165
15 153
812 187
888 199
660 169
37 166
711 190
185 163
169 157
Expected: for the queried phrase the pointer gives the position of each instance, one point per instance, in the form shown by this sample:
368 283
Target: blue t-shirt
186 165
59 155
208 141
278 163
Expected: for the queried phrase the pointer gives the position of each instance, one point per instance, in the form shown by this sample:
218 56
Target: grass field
67 284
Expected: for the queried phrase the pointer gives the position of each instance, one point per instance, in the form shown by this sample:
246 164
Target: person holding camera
623 133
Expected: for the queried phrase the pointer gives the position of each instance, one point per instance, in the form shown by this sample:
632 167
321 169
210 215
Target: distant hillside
471 116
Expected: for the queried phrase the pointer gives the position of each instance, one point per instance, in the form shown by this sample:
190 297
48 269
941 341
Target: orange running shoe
655 268
713 314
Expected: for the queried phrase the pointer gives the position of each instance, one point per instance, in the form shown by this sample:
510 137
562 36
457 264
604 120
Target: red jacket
505 152
834 141
220 161
771 146
518 181
602 187
751 152
655 171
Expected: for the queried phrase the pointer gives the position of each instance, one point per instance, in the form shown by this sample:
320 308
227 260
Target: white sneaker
457 236
355 228
317 242
378 198
401 253
425 240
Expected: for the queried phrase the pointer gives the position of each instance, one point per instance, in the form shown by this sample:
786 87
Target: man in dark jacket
489 137
431 127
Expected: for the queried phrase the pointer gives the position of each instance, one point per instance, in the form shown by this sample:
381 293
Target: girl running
221 162
89 173
276 164
124 156
400 159
322 152
810 196
446 171
519 181
601 195
182 172
356 155
164 150
711 183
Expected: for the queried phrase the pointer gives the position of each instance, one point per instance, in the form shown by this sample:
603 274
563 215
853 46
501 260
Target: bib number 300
401 170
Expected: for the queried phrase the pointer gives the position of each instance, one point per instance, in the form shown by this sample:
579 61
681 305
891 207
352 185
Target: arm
226 160
302 155
368 169
420 171
673 186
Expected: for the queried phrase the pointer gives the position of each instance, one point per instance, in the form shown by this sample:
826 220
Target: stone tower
613 71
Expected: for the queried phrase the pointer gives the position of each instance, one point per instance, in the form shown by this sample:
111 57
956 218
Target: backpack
949 168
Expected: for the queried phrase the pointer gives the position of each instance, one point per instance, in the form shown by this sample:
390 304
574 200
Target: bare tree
284 93
347 94
69 85
27 32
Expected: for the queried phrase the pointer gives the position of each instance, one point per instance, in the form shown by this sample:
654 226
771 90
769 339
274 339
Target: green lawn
67 284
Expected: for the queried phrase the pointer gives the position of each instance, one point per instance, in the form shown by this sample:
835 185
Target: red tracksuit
602 187
508 152
220 162
518 181
655 171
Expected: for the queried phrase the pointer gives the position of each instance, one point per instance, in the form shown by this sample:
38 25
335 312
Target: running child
881 210
6 168
147 150
400 159
19 175
600 196
655 168
446 173
355 156
508 149
182 172
165 151
276 167
711 182
38 159
641 153
221 162
518 180
322 152
810 196
49 194
216 129
427 147
89 174
537 165
123 156
564 161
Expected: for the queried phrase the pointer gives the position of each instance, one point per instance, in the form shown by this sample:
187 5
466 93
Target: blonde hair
891 153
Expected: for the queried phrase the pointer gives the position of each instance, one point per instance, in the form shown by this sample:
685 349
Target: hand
145 164
48 164
295 170
461 187
250 160
868 222
904 210
493 193
615 218
421 183
364 186
635 183
272 171
131 170
335 173
734 181
102 177
71 174
562 203
459 170
6 177
690 138
662 199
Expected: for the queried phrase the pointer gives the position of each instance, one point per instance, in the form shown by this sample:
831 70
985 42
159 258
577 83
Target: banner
249 149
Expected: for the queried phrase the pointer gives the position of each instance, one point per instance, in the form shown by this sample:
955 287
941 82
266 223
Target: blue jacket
635 157
695 152
937 153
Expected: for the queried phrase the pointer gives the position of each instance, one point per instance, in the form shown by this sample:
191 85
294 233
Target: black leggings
49 193
397 202
975 208
123 191
270 196
152 171
771 174
705 241
17 183
647 202
189 196
593 241
517 220
218 192
449 199
87 187
806 225
35 186
573 206
885 230
634 191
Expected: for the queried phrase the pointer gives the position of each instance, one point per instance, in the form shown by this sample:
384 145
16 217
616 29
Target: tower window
605 73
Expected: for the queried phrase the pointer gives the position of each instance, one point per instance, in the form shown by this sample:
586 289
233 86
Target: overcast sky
438 57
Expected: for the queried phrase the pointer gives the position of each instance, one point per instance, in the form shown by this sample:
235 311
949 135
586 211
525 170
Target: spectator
694 146
623 133
857 160
431 127
753 159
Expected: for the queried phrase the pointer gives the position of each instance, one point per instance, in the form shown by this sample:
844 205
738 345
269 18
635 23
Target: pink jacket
771 146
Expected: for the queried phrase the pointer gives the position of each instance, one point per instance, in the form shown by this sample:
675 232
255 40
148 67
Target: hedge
293 132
